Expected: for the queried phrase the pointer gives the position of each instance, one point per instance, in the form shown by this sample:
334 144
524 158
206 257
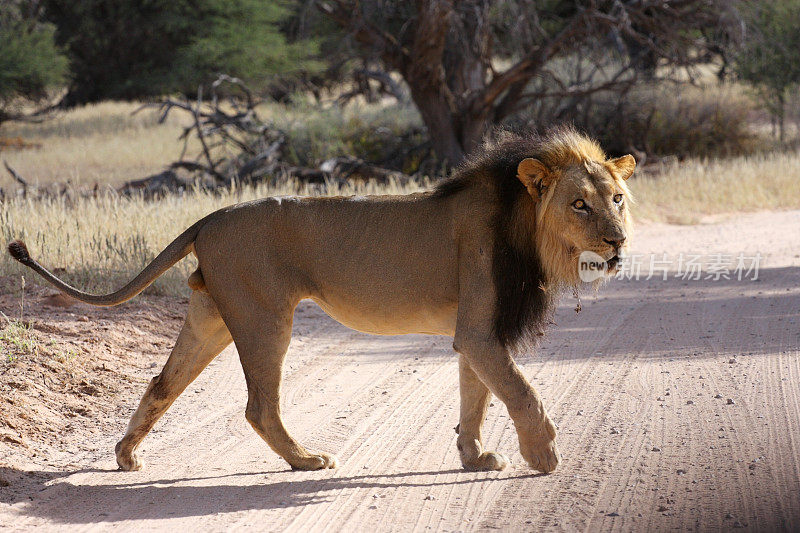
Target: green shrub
391 136
30 62
131 49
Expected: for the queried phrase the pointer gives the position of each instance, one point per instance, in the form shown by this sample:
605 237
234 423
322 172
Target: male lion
481 258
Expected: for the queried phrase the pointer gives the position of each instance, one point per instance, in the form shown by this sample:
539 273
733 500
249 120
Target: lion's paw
488 461
128 460
542 456
314 461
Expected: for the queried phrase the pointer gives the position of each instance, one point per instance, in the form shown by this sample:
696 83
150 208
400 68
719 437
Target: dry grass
104 143
101 143
684 192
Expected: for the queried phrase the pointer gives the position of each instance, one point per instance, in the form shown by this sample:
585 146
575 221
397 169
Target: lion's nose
616 241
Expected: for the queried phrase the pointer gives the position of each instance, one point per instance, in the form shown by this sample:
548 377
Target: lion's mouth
611 264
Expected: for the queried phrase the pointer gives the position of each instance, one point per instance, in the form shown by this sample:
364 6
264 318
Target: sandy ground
678 403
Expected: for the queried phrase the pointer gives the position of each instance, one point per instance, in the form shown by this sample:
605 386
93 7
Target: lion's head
581 206
552 197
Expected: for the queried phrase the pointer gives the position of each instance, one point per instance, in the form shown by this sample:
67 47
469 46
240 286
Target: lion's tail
174 252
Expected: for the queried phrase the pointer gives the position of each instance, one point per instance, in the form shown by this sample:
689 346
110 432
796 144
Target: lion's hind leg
475 397
203 337
262 339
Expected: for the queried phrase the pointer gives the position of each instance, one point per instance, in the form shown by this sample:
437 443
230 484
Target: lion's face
589 209
581 208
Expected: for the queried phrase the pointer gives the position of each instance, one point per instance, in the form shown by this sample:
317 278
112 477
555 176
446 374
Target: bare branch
517 76
34 117
386 80
16 176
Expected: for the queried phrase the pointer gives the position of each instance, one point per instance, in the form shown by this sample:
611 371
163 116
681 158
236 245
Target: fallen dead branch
237 146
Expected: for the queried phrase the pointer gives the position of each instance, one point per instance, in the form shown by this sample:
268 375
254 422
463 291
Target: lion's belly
393 320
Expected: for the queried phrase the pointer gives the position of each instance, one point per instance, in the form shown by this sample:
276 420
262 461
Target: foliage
16 337
30 62
769 59
388 136
130 49
243 39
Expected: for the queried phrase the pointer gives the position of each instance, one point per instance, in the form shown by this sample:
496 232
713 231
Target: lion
482 258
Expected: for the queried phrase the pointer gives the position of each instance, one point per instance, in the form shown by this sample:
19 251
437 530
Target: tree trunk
473 128
436 114
444 49
466 61
453 134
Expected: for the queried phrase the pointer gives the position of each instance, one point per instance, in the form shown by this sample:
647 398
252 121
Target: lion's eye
617 198
579 204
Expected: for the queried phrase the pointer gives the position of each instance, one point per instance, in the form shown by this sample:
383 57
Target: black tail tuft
19 251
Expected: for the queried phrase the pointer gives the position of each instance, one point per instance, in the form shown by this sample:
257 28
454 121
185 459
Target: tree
30 62
450 52
130 49
769 59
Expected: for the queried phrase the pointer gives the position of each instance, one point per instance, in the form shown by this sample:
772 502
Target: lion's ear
533 175
622 167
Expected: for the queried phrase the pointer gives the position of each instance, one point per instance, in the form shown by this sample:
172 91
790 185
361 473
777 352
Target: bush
131 49
30 62
769 59
389 136
685 122
680 120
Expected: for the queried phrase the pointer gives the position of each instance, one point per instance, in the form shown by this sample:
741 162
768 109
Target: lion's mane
530 264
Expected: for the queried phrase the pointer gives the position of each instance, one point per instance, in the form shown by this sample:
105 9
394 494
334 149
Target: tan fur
421 263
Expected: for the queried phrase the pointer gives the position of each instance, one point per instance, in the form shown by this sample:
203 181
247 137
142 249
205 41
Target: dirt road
678 403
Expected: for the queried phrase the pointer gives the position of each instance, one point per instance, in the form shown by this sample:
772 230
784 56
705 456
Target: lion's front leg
475 397
536 432
493 365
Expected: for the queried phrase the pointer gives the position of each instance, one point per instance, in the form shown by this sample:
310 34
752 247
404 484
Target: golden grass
684 192
101 143
104 143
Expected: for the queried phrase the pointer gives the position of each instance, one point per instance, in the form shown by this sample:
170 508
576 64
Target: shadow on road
679 318
44 494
